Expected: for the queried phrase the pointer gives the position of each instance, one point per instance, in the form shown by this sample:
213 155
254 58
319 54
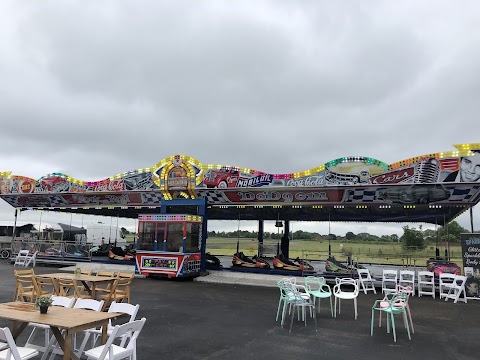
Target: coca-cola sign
115 185
393 177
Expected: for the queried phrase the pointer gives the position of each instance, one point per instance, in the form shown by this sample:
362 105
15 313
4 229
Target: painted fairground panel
426 179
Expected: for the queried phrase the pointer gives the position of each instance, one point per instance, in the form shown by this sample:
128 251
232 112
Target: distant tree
332 237
412 239
350 235
454 231
395 237
430 236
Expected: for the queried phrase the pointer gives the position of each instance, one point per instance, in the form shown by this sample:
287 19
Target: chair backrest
124 308
446 278
426 276
45 286
404 289
6 335
67 285
459 282
390 274
346 283
406 275
364 274
313 283
31 258
85 272
131 329
89 304
63 301
21 257
105 273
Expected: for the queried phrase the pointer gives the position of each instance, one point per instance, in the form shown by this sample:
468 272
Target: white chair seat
117 351
24 352
3 345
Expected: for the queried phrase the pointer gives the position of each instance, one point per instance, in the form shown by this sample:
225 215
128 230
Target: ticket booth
169 245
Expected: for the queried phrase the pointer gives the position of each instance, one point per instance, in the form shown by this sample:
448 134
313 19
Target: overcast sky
96 88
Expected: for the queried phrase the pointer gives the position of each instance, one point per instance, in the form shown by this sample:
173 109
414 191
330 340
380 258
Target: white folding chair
457 288
14 351
31 259
366 280
407 278
343 291
57 301
426 283
80 303
389 281
124 308
21 258
445 283
122 351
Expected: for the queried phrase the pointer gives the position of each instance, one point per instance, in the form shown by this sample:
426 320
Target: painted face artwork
470 168
5 186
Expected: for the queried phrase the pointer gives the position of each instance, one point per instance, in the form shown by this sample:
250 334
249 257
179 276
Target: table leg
17 328
104 333
65 343
91 291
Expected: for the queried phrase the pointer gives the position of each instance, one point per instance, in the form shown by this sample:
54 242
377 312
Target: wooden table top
58 316
81 277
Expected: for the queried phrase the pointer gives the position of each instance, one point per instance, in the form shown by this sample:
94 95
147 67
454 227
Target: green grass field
376 253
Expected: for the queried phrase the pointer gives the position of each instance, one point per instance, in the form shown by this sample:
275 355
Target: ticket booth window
147 238
192 237
175 236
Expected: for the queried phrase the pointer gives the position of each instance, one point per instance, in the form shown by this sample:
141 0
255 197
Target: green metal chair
318 289
388 305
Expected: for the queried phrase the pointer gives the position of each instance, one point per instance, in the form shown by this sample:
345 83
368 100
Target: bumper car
281 262
239 259
212 262
332 265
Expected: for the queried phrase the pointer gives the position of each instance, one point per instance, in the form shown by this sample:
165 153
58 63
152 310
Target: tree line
412 238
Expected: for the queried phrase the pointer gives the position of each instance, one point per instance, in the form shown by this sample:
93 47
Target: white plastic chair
407 278
31 259
366 281
122 351
56 301
296 300
445 283
343 291
457 288
14 351
124 308
389 281
426 283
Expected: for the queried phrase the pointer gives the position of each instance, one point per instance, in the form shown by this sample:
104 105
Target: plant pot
43 309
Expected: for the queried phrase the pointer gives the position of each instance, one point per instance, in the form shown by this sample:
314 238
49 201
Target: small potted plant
43 302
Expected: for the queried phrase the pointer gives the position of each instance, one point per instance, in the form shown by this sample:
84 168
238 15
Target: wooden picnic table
89 282
71 320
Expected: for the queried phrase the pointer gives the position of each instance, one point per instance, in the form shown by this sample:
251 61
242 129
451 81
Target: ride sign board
471 263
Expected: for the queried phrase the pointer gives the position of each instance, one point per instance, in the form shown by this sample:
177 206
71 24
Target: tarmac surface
229 319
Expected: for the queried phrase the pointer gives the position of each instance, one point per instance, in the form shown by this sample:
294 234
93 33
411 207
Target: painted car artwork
415 194
449 177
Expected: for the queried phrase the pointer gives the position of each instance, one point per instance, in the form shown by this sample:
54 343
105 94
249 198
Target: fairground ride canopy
432 188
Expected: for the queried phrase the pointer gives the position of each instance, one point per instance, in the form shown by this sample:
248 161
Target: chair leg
371 323
355 304
393 327
410 317
331 307
406 324
335 308
291 318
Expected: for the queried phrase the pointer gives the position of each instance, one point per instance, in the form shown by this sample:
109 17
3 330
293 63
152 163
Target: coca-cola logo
394 176
115 185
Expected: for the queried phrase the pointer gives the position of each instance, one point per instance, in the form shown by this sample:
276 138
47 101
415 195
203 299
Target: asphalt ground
205 320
